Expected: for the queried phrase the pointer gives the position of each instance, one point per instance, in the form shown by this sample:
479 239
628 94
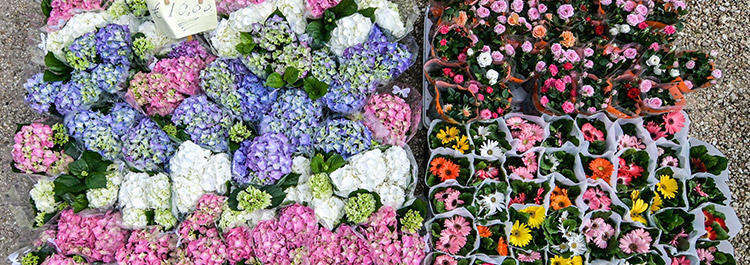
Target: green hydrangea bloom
170 129
142 46
359 208
253 199
165 218
239 132
60 134
30 259
411 221
320 185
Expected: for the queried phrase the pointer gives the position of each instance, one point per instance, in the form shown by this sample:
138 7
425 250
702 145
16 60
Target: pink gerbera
451 243
655 131
452 202
445 260
515 122
529 257
529 160
705 255
699 190
523 172
681 260
591 133
674 122
670 161
527 140
441 196
535 129
632 243
458 224
642 233
628 141
519 199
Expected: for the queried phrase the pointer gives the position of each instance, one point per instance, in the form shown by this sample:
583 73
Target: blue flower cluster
39 94
93 130
122 117
109 77
264 160
81 54
377 60
256 98
296 116
344 137
146 146
113 43
191 48
205 122
342 98
219 81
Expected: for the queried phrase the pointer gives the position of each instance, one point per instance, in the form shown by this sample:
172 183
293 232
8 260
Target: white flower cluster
387 16
294 12
43 195
78 25
226 36
140 193
154 36
231 218
106 197
328 210
196 171
349 31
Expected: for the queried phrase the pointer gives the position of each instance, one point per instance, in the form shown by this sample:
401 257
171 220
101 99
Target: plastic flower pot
434 42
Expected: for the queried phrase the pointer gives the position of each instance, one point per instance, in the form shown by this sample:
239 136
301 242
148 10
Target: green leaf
72 150
56 65
368 12
68 184
315 89
232 199
317 163
277 194
80 203
96 180
78 167
289 181
291 75
46 7
275 81
49 76
335 162
316 31
344 8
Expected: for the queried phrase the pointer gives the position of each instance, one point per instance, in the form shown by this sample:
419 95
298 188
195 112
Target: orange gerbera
502 247
601 168
559 192
448 171
484 231
559 202
436 165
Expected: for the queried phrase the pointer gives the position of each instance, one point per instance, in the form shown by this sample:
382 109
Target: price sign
181 18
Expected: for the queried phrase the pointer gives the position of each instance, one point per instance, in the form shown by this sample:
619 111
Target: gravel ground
716 113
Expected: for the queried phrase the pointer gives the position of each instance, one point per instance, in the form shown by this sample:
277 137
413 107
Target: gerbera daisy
492 202
557 260
491 148
516 123
632 243
639 206
577 260
526 141
451 243
655 131
674 122
445 260
458 224
681 260
519 199
557 191
522 172
601 169
698 189
536 215
484 231
704 255
502 247
642 233
529 160
535 129
448 171
670 161
591 133
577 244
442 195
447 135
656 204
482 132
559 202
696 165
628 141
529 257
520 234
436 165
462 144
667 186
452 202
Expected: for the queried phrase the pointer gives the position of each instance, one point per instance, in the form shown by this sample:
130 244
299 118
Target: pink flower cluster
591 133
316 8
200 239
147 247
96 237
527 133
597 231
389 118
391 246
62 10
449 197
673 123
597 199
529 168
239 244
57 259
277 241
628 171
171 81
637 241
32 148
229 6
454 235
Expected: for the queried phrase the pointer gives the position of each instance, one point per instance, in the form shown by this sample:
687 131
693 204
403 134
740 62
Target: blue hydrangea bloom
205 122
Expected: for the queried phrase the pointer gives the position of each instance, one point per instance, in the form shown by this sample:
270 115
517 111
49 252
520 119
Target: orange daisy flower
484 231
601 168
559 192
436 165
502 247
448 171
559 202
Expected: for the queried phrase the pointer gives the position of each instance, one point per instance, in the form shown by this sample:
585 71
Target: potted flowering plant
563 196
597 197
527 54
491 139
676 226
488 169
527 232
702 161
594 94
697 69
656 63
670 190
42 149
670 156
450 43
449 136
661 98
636 240
597 167
594 132
555 91
701 190
667 125
523 192
437 70
454 234
527 132
525 166
455 103
494 101
491 202
715 222
443 168
560 162
626 96
608 60
446 198
631 136
488 67
492 240
632 172
561 131
710 252
599 228
638 203
437 258
561 229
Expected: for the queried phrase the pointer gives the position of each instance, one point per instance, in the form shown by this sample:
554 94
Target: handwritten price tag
181 18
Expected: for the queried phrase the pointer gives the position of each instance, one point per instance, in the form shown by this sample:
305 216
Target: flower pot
674 91
440 87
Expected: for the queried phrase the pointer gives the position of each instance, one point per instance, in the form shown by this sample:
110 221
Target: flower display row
525 189
276 138
560 58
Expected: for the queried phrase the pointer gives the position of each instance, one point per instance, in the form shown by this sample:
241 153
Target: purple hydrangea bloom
342 98
374 62
110 77
220 82
122 117
296 116
264 160
146 146
81 54
344 137
255 98
80 93
92 129
205 122
39 94
113 43
191 48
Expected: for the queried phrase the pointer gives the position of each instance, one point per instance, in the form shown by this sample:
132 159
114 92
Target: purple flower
690 64
517 6
205 122
533 14
146 146
122 117
509 50
588 52
264 160
499 6
497 56
39 94
635 19
113 44
344 137
572 56
527 46
646 86
565 11
296 116
483 12
540 66
342 98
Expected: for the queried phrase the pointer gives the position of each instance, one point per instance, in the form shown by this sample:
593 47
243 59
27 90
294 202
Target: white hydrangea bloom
261 215
365 4
391 195
224 39
328 211
243 19
43 195
159 191
154 36
190 160
78 25
185 193
370 168
231 218
300 193
135 218
389 19
133 191
301 165
165 218
294 11
346 180
217 173
349 31
399 166
128 20
106 197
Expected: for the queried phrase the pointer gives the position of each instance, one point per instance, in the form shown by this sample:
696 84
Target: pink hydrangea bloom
239 243
32 149
148 246
316 8
63 10
389 118
96 237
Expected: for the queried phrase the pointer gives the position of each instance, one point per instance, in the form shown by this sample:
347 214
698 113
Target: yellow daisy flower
557 260
520 235
656 204
667 186
577 260
536 215
447 135
639 206
462 144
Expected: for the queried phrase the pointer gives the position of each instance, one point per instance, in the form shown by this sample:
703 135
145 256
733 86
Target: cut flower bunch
273 139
